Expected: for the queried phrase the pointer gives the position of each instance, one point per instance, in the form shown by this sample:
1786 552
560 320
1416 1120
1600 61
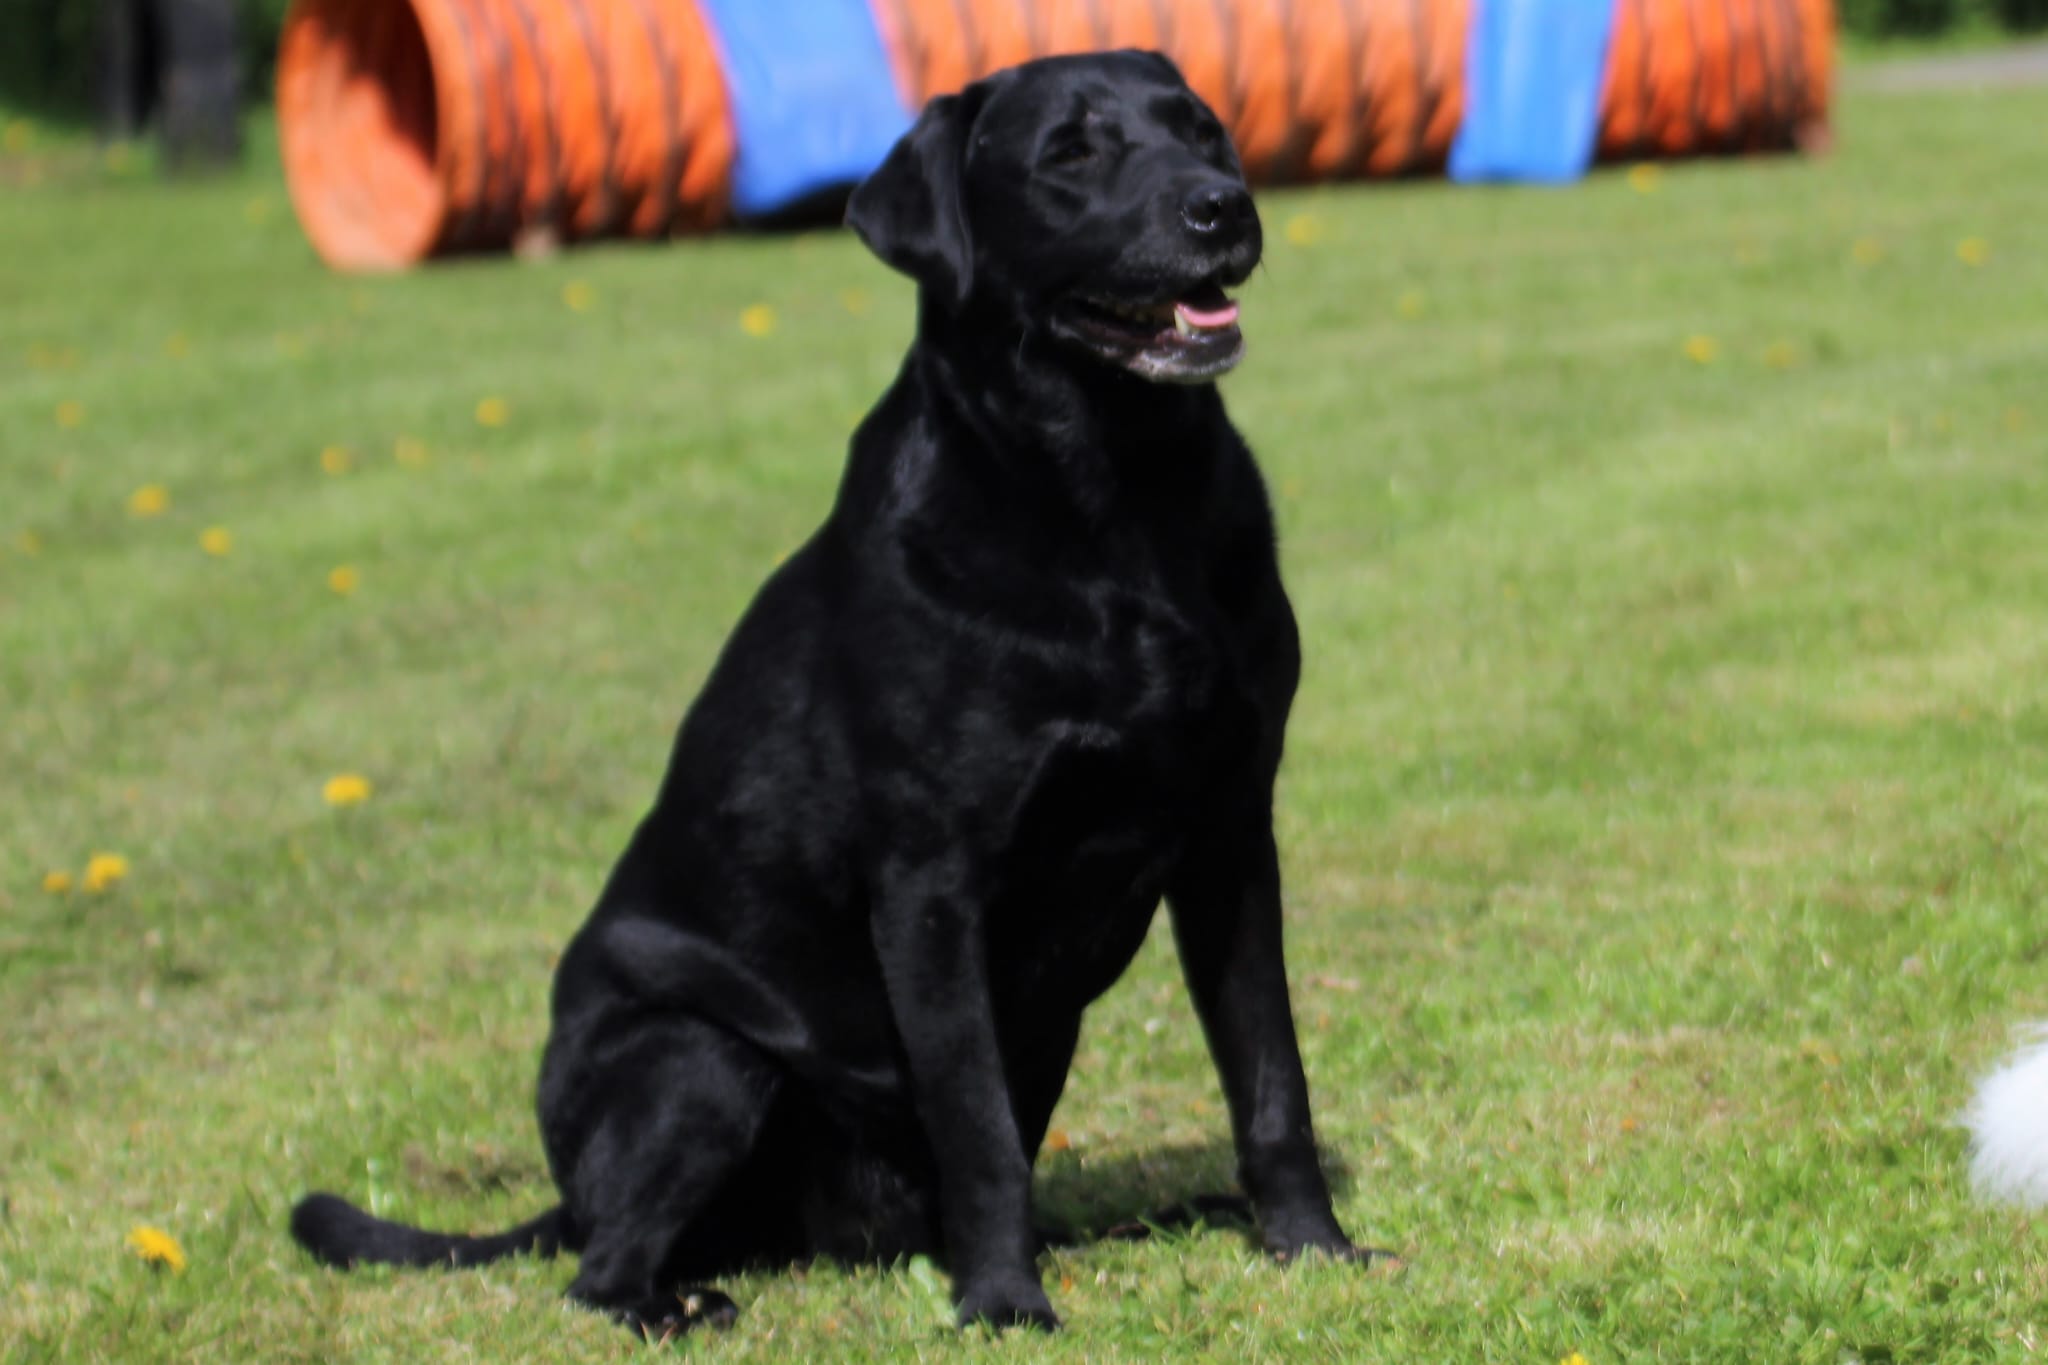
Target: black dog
1029 677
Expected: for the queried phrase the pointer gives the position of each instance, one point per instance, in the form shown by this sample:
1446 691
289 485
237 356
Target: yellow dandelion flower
1702 350
71 414
757 320
1306 229
492 412
1866 251
337 460
29 543
409 451
855 301
57 883
1781 355
157 1247
177 346
216 541
578 296
1412 304
102 870
1573 1359
1973 251
347 789
150 500
1646 177
343 579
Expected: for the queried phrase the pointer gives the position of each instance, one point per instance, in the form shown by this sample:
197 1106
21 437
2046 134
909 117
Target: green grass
1663 816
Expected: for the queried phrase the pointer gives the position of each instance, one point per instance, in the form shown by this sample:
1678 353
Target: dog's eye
1209 136
1071 152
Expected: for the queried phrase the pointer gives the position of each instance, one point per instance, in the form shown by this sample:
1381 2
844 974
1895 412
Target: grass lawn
1665 813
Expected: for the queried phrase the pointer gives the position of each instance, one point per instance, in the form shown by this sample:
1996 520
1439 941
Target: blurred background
103 60
1650 396
174 68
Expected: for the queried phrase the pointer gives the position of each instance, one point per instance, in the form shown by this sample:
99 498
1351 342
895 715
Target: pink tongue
1208 317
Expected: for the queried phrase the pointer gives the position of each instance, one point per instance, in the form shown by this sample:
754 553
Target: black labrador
1030 676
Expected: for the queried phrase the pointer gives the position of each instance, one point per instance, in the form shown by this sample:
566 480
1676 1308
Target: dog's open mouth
1184 340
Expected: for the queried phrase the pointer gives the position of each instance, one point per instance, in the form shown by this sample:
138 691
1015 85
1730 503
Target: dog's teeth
1181 323
1152 315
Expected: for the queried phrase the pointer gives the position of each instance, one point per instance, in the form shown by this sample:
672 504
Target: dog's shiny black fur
1029 677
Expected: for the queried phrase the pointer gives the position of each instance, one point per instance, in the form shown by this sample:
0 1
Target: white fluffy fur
2009 1123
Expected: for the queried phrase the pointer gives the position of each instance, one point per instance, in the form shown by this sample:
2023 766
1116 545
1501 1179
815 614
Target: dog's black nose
1220 209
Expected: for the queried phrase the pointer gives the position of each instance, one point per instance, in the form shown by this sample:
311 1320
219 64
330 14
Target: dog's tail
340 1234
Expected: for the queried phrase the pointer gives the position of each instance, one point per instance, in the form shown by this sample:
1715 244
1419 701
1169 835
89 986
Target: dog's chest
1160 730
1157 710
1182 686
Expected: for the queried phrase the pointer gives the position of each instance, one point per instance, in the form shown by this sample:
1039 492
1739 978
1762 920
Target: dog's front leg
929 937
1225 903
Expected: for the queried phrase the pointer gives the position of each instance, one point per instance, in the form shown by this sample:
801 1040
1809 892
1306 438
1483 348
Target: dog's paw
666 1319
1371 1258
1004 1304
1285 1246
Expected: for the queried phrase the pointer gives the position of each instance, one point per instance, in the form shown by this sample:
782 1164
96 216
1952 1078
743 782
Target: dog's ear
912 210
1162 61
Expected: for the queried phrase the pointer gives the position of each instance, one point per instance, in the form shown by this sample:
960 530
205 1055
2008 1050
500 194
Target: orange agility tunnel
417 128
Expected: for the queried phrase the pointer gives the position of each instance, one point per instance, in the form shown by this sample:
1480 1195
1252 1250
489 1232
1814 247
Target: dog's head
1094 200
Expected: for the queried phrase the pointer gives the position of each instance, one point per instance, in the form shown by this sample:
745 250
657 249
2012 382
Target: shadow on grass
1176 1190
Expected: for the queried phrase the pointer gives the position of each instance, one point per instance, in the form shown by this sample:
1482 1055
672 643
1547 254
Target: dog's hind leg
683 1107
